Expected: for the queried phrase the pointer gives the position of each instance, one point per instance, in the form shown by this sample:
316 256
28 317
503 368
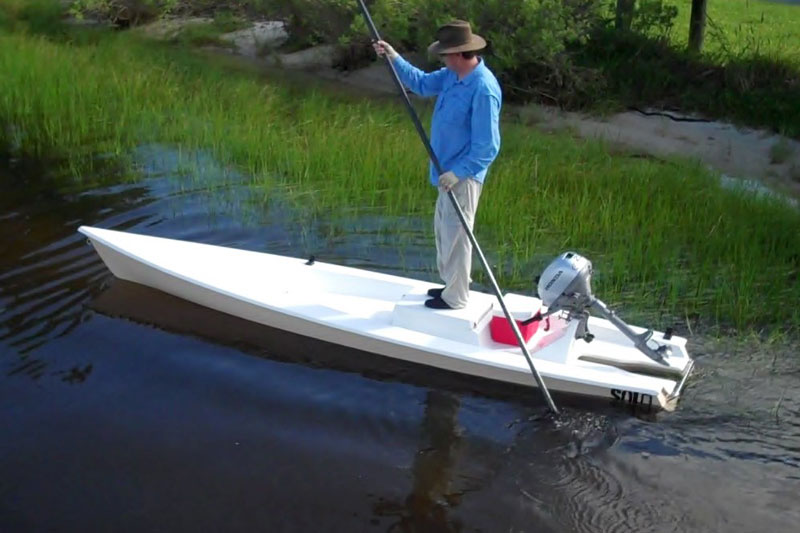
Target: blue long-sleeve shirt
465 130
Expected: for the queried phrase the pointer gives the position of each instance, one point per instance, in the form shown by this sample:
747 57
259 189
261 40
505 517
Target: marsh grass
663 235
209 33
202 34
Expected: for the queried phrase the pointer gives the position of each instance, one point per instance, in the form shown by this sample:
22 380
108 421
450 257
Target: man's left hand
448 180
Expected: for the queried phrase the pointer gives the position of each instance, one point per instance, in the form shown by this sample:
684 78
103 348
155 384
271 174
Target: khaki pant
453 248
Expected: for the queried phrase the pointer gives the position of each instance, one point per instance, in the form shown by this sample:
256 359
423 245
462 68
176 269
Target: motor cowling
567 283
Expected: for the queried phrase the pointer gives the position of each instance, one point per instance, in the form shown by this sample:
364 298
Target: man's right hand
448 180
384 48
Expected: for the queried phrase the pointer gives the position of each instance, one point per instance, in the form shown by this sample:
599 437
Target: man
465 136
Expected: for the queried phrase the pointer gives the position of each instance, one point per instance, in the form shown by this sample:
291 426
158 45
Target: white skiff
384 314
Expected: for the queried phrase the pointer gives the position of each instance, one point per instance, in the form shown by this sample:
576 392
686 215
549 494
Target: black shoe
437 303
436 293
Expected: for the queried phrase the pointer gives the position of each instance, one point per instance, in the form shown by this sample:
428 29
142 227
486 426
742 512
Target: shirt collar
472 76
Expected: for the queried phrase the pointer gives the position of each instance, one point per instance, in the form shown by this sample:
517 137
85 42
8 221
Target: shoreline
755 159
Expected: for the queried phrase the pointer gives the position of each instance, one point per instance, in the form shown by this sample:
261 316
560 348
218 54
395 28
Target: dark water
122 409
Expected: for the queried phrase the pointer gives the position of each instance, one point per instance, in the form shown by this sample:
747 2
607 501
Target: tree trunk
624 14
697 25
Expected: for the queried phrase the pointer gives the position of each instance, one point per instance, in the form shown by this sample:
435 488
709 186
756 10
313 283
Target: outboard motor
565 285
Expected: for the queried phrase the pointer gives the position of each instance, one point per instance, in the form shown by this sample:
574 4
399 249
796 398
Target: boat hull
410 346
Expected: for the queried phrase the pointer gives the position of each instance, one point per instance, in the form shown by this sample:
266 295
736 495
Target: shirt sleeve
485 132
420 82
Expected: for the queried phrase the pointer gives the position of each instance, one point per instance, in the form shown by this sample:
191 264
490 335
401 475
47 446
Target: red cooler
522 308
